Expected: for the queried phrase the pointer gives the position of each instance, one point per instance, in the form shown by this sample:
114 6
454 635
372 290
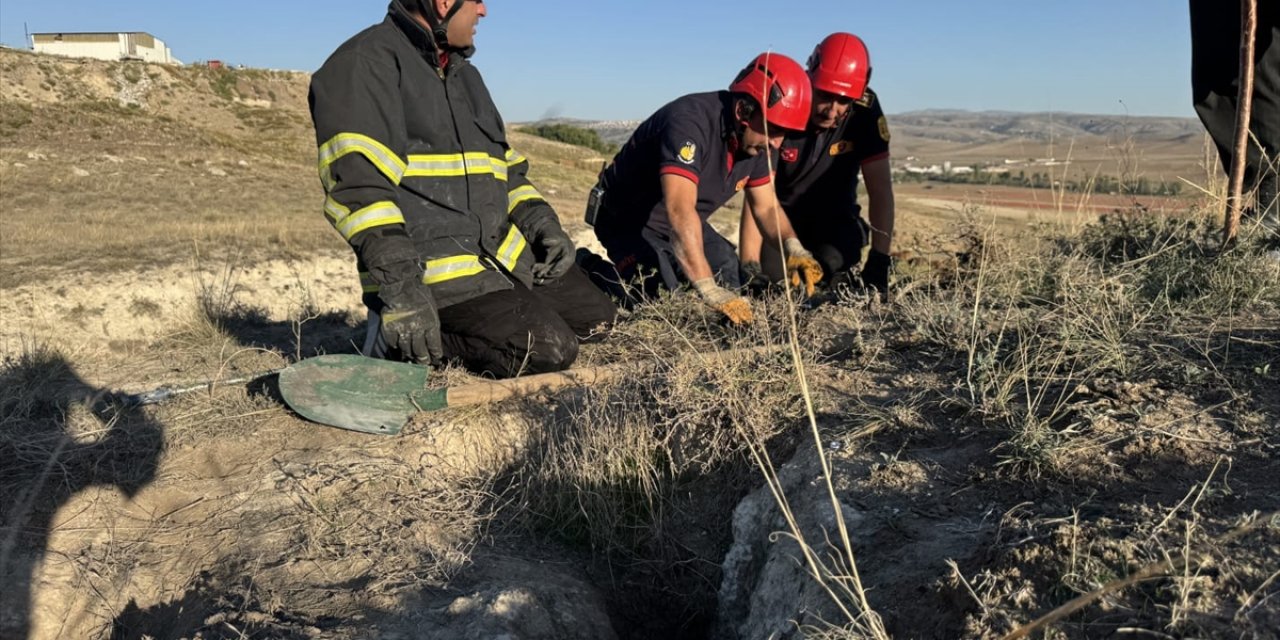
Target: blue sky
622 60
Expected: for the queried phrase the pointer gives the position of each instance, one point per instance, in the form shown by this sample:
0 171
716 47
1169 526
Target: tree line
1100 183
570 134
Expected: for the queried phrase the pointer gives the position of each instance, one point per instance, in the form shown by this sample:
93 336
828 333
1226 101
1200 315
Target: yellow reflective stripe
374 215
443 269
377 153
367 285
515 157
335 211
521 194
449 165
511 248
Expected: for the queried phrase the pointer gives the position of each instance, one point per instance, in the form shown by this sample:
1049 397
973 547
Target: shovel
370 395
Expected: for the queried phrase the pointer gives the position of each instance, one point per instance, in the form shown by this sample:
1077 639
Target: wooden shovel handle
499 390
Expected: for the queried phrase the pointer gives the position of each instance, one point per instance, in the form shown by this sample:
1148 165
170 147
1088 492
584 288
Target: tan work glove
733 306
801 267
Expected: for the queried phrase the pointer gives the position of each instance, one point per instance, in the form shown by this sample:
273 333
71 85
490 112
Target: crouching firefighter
688 159
817 178
460 257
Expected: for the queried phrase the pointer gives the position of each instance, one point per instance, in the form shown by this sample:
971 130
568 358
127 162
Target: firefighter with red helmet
460 256
818 171
688 159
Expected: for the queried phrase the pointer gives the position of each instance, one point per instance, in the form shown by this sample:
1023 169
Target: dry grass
629 470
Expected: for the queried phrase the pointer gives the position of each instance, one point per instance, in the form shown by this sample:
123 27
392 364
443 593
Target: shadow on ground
54 443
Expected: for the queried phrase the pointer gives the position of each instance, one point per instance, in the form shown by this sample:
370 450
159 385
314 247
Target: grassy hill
106 163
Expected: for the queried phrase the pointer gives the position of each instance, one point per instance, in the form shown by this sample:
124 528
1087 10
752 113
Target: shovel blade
354 392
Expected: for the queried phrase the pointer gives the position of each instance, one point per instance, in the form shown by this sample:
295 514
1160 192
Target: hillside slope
104 160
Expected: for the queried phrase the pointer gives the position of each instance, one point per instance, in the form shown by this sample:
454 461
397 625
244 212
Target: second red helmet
841 65
782 88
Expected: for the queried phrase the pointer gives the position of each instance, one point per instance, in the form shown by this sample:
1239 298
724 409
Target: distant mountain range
984 127
970 127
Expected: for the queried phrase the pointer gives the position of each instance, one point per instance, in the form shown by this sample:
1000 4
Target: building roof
87 33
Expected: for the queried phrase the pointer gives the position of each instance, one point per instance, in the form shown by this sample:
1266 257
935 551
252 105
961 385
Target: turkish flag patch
790 154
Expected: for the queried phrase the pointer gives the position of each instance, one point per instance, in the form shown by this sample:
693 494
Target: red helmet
780 85
840 65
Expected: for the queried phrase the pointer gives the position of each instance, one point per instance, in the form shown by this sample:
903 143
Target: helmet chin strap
743 119
439 26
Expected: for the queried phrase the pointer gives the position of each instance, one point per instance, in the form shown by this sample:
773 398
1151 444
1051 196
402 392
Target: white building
104 46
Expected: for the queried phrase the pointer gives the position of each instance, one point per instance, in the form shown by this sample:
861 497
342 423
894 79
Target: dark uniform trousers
646 259
1215 81
517 331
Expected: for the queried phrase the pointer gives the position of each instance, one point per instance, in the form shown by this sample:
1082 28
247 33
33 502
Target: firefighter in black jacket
460 257
818 170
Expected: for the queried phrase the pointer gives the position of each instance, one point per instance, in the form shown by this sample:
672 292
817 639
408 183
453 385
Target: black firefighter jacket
416 167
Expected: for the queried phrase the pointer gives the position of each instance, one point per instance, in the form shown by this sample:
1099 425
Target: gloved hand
553 250
754 281
733 306
410 322
801 267
875 273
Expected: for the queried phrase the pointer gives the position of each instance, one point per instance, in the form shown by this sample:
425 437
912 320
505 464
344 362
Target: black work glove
410 322
875 273
553 251
754 281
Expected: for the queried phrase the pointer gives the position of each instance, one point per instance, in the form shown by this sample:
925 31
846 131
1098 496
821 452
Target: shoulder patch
790 154
884 128
840 148
868 98
689 152
742 184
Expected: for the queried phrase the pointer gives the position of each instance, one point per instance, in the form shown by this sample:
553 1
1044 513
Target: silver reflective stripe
452 267
454 165
377 153
521 194
515 157
512 247
335 210
374 215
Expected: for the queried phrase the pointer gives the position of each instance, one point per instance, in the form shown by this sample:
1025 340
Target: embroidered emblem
688 152
840 148
741 184
790 154
884 129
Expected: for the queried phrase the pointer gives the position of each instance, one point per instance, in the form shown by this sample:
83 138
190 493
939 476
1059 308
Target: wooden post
1244 108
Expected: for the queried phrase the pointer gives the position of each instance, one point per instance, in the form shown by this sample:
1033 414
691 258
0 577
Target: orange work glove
733 306
801 267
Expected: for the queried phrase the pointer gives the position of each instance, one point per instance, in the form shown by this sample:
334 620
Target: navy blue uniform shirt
692 136
818 170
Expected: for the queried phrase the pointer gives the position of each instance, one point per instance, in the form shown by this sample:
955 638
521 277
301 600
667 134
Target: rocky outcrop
767 590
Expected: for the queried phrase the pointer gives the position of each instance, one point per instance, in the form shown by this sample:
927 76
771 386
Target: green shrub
570 134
